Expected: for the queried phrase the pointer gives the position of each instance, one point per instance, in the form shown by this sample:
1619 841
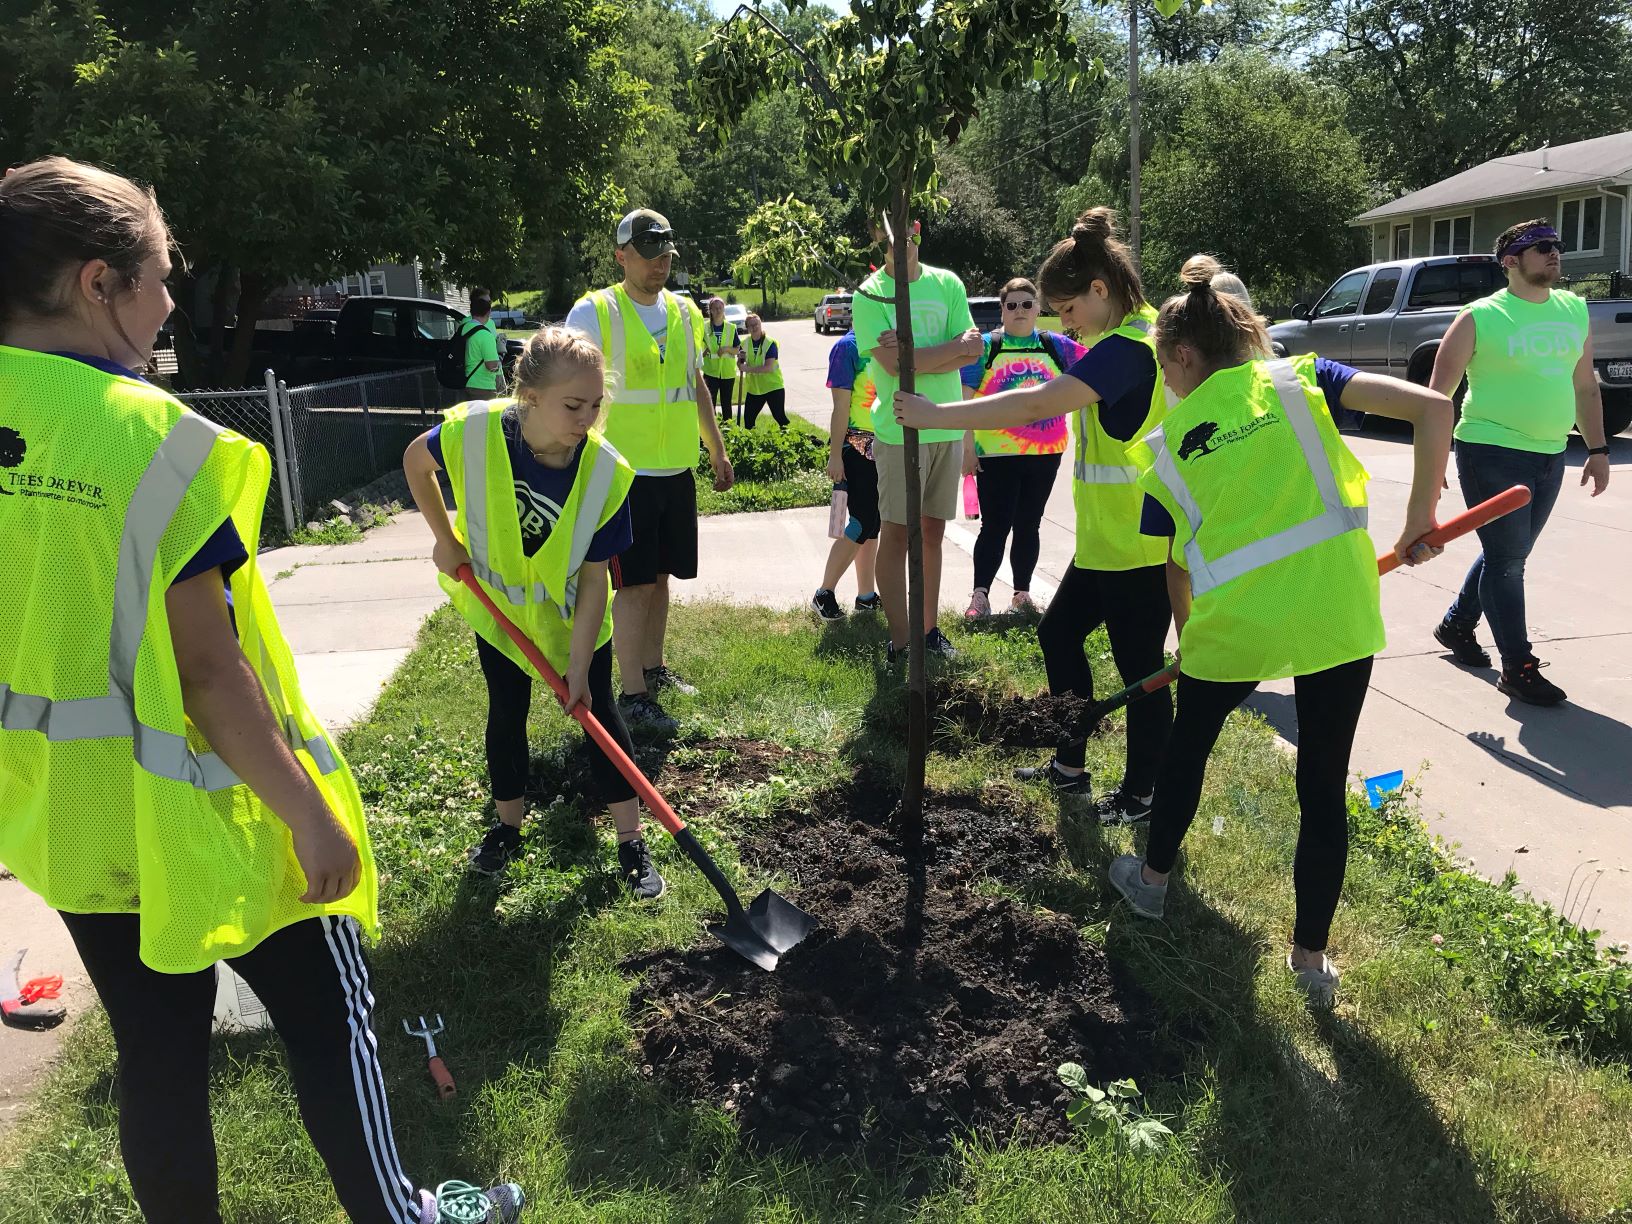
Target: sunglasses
651 243
1017 304
1548 247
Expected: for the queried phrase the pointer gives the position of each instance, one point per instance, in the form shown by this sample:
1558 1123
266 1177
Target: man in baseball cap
658 410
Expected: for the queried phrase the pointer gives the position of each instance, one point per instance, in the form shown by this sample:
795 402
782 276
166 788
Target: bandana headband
1528 239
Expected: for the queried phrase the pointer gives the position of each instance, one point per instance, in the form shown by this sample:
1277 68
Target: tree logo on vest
1204 439
57 488
12 450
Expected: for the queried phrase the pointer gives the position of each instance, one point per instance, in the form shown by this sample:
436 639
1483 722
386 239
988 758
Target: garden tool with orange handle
439 1069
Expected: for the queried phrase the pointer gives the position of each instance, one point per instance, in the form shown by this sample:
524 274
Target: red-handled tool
439 1069
1471 519
761 931
29 1004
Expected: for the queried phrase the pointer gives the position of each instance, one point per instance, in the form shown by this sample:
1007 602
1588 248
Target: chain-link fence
331 437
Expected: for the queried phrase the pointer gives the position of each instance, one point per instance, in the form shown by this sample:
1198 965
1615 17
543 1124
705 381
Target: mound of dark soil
917 1011
1011 722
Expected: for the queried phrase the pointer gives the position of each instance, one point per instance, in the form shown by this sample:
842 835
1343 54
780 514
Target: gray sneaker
1318 985
642 710
660 677
1146 900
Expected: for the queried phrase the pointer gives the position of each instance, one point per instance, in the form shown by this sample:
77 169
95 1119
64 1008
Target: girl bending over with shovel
1113 395
541 510
1262 509
163 784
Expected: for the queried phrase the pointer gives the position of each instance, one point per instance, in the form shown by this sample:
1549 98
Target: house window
376 283
1453 235
1581 225
1402 242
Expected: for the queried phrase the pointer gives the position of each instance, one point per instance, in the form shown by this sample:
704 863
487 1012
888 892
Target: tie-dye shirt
1021 361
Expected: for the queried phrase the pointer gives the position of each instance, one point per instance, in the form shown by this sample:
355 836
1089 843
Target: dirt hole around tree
921 1009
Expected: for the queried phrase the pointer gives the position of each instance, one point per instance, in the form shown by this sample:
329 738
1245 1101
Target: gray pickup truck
1389 318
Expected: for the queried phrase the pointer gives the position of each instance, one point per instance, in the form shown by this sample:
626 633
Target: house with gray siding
1585 188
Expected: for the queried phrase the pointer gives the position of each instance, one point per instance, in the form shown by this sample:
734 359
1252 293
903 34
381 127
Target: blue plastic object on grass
1382 786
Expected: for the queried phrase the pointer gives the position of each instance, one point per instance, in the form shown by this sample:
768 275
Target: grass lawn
1427 1096
775 471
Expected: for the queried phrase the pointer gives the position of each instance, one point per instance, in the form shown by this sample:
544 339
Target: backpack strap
993 351
464 347
1047 337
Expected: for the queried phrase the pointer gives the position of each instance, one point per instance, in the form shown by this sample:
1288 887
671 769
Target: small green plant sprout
1110 1111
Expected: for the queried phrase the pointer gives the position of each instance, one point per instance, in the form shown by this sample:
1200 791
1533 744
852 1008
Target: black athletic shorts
663 514
861 479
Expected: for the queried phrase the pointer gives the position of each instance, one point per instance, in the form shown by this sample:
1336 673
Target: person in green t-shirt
1527 355
944 338
484 377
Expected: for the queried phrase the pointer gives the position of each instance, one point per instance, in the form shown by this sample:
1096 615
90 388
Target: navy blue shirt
224 549
541 494
1123 371
1330 376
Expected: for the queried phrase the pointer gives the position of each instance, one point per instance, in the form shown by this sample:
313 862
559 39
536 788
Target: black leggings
1328 704
314 983
1013 491
510 696
721 389
1133 607
774 400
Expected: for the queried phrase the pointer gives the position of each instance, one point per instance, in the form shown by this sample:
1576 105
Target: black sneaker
1122 807
660 677
894 655
635 862
1063 783
501 844
642 710
826 605
1526 683
935 642
869 603
1464 647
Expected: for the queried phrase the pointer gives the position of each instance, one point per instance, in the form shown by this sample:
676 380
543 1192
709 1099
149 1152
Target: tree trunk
253 290
912 796
215 368
189 357
1133 129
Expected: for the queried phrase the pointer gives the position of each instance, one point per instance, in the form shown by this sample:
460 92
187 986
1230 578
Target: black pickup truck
366 335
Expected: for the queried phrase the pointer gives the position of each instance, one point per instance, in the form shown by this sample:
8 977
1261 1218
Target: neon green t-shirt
940 312
482 347
1521 381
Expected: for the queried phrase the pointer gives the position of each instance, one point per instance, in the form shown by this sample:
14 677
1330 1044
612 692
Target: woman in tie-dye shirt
1015 468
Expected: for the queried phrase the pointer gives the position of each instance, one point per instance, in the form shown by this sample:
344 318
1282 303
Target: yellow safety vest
651 412
1269 511
1105 474
538 593
760 384
111 801
714 365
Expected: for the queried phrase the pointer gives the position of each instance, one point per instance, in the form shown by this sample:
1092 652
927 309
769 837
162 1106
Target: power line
1090 116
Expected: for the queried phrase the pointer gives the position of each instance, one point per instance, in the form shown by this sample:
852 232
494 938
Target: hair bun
1095 225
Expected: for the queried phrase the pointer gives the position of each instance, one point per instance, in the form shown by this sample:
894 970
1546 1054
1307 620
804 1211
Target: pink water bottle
971 497
838 511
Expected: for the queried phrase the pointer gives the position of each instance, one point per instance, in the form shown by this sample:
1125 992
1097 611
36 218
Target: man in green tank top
1527 355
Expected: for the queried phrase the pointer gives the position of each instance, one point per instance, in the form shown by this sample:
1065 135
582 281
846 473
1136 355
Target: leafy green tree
296 142
976 236
1255 165
786 238
1438 86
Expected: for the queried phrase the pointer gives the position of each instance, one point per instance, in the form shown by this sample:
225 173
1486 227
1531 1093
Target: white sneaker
1319 985
980 605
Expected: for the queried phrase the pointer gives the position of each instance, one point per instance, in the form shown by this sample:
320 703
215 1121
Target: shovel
1470 519
763 931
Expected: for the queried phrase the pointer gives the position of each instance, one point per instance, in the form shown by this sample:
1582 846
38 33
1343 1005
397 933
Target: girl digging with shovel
541 510
1114 396
1263 511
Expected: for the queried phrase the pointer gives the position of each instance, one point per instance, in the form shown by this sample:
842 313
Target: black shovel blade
765 930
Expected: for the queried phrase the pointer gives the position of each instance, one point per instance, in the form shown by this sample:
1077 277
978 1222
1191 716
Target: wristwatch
1597 450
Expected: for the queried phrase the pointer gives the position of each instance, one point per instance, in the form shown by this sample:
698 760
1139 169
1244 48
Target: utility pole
1133 128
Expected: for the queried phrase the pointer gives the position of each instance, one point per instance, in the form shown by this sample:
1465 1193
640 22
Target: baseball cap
644 221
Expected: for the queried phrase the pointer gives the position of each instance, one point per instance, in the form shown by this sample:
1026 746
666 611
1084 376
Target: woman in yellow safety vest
163 784
542 507
1262 510
1113 396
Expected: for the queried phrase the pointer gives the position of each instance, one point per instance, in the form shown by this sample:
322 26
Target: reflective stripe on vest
1103 473
475 508
1335 520
157 497
616 341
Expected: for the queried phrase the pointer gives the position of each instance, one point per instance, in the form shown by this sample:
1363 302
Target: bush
770 454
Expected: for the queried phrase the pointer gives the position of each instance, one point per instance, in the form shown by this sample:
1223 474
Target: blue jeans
1494 586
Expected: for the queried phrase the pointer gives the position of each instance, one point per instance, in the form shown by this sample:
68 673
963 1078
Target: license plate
1619 370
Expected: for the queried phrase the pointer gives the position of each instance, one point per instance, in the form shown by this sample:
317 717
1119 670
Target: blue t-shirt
1330 376
843 362
541 494
1123 371
224 549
